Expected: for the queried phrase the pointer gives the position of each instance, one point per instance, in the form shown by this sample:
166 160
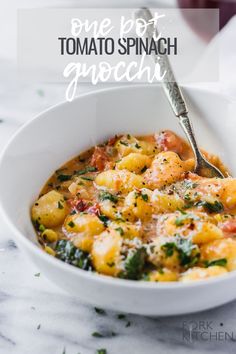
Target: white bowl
64 131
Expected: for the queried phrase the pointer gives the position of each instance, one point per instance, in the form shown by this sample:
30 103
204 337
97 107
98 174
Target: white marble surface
37 317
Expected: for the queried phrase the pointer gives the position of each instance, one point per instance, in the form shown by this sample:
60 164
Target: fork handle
170 86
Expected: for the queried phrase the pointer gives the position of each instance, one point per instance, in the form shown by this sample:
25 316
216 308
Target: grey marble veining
36 317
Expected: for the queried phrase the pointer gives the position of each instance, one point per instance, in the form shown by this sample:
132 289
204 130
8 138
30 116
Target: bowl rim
100 278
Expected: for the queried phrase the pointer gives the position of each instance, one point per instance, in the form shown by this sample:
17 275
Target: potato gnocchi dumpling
133 208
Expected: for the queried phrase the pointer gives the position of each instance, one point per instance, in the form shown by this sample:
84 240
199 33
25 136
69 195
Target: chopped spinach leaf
187 252
134 264
86 170
68 253
104 219
63 178
169 248
215 207
87 178
217 262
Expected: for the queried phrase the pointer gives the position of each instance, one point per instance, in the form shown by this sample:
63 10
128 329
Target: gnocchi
133 208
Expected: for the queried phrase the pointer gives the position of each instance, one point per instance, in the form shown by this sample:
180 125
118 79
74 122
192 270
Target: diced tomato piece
99 158
77 205
112 140
94 209
169 141
229 227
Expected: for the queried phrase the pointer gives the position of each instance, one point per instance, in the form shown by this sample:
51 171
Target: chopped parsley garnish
60 205
137 146
108 196
187 252
215 207
68 253
63 177
86 170
71 224
217 262
144 197
37 275
99 311
87 178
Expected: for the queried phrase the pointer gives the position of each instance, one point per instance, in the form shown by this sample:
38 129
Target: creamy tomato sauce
134 208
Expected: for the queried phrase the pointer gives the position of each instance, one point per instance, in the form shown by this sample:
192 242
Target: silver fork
175 97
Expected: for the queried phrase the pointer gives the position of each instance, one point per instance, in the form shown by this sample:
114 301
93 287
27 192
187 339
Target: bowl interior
64 131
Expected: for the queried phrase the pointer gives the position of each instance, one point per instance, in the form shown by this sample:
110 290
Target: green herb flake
144 197
128 324
39 326
99 311
215 207
217 262
68 253
40 93
108 196
169 248
63 177
101 351
124 143
60 205
97 335
120 230
187 252
37 275
104 219
86 170
121 316
42 228
71 224
87 178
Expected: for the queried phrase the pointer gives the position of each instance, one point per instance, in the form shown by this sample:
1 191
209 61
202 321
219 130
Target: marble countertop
37 317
